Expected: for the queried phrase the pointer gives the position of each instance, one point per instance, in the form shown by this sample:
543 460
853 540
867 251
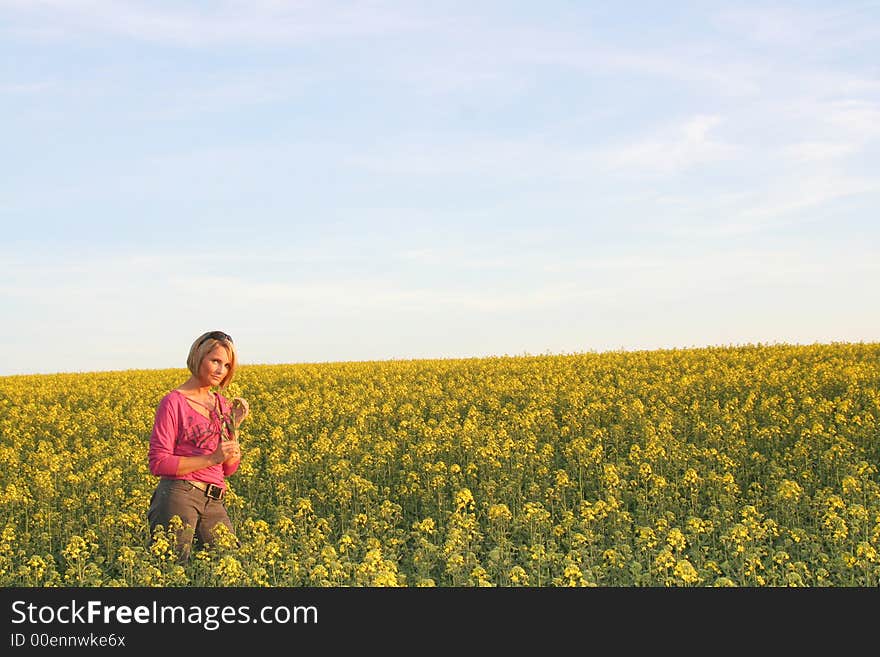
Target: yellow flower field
727 466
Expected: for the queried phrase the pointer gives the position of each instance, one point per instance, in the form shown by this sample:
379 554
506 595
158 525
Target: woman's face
215 366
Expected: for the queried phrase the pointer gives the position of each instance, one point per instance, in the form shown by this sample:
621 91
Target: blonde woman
194 444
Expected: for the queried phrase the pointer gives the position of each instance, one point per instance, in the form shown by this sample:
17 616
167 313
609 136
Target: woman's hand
234 454
240 410
227 451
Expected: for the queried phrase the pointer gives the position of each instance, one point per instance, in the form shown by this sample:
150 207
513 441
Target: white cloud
377 296
855 116
213 93
673 151
783 202
457 258
427 156
818 151
708 68
839 26
26 88
231 22
775 25
776 206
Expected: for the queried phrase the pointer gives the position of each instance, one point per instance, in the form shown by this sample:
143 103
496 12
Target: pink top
180 430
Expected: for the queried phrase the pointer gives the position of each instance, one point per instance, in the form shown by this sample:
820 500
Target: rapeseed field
751 465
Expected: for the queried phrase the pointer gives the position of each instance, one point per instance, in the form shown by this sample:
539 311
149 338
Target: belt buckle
214 491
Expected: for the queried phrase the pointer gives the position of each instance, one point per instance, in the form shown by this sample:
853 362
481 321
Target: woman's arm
226 450
162 459
231 464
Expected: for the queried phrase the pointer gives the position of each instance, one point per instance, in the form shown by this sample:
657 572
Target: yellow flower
685 572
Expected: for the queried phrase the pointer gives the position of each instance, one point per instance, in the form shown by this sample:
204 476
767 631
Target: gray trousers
199 513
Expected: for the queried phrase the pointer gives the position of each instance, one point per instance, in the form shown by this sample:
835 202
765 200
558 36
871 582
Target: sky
358 181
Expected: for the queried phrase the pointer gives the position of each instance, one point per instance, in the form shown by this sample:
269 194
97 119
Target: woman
194 444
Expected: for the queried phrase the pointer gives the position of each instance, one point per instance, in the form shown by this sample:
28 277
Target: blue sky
333 181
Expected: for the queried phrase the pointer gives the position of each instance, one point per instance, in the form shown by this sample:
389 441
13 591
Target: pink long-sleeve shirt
180 430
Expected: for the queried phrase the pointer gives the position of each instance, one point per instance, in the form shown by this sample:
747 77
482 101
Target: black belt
213 491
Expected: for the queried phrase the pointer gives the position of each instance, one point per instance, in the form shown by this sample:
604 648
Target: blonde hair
203 345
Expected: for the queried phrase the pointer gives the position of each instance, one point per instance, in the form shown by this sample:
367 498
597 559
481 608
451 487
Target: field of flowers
747 465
